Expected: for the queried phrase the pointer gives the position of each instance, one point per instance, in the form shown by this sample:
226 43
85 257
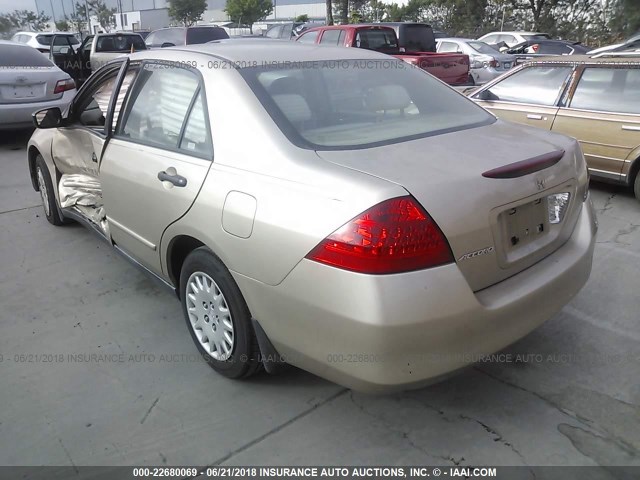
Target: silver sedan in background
29 82
486 63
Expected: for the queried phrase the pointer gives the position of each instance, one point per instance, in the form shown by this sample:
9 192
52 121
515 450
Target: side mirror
167 44
48 118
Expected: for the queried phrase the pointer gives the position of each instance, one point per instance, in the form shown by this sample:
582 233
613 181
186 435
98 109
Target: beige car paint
610 140
412 327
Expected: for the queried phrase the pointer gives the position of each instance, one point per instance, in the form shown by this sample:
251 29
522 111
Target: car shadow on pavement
15 139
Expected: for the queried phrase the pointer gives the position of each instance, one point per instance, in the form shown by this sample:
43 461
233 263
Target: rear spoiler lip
525 167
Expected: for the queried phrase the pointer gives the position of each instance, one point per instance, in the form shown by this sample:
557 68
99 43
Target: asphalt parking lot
569 394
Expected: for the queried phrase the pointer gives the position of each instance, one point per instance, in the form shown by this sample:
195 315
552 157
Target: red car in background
452 68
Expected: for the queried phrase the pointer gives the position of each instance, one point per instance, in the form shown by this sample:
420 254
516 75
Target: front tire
45 185
636 186
217 316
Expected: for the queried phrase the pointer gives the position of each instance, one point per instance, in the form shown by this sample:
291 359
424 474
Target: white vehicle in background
95 51
42 41
29 82
633 43
512 38
485 62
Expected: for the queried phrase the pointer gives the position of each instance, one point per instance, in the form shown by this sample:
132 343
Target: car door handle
631 128
177 180
532 116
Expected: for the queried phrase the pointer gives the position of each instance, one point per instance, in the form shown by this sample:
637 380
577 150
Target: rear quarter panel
300 199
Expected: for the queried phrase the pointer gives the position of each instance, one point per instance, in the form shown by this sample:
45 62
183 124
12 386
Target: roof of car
258 52
587 59
516 32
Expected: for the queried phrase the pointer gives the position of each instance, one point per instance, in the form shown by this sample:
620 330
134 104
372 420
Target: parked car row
412 42
595 100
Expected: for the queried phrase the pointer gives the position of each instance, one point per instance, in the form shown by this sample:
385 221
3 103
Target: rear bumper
391 332
15 116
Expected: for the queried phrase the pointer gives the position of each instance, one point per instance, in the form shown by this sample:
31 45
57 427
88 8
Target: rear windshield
21 56
359 103
46 39
482 47
120 43
418 38
378 39
205 34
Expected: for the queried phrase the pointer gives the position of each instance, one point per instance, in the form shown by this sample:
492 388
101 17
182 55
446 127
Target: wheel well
179 248
633 171
31 155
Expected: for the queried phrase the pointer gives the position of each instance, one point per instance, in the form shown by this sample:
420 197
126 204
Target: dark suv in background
176 36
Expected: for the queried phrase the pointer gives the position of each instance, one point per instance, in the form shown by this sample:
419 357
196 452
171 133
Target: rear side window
446 47
21 56
309 37
331 37
535 85
376 39
170 35
196 35
608 90
160 104
274 32
120 43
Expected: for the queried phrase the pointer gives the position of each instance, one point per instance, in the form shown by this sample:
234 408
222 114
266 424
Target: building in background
132 15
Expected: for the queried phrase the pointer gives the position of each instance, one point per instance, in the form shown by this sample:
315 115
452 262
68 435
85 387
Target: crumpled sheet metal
85 194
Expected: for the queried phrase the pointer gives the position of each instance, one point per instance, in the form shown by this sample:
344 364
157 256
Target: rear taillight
394 236
64 85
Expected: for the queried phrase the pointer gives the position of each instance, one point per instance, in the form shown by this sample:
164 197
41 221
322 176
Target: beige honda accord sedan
324 207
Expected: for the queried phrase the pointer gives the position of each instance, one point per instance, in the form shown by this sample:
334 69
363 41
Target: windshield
418 38
46 39
482 47
21 56
359 103
377 39
196 35
120 43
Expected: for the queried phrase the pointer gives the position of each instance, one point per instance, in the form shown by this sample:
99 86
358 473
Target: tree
248 11
304 18
78 19
538 10
28 20
187 12
62 25
106 16
329 7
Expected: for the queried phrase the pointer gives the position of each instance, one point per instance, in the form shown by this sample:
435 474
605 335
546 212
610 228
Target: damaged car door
155 163
77 146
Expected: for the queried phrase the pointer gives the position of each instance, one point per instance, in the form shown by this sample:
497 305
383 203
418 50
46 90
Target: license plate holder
524 224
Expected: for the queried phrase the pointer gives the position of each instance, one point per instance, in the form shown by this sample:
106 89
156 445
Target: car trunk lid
29 84
483 187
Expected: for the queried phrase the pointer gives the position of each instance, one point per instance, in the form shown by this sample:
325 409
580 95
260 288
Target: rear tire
217 316
45 185
636 186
